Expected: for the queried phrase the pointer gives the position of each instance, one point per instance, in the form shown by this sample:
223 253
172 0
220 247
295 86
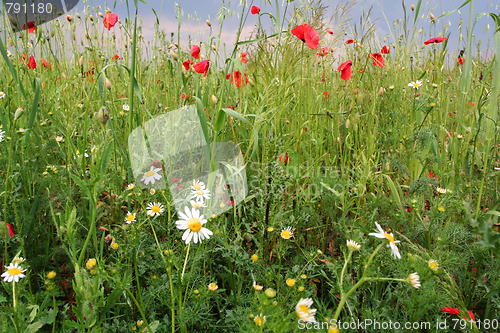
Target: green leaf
34 327
34 108
105 158
465 3
245 42
237 115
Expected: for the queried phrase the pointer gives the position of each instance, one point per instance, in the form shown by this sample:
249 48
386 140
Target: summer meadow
250 166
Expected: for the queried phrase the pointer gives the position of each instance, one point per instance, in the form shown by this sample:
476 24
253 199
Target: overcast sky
195 13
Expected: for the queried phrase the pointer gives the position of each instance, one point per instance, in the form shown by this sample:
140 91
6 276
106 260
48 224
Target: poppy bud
91 18
87 35
174 56
384 39
247 237
381 91
347 123
209 24
176 45
214 99
433 18
108 84
101 15
170 46
78 15
250 82
19 113
102 115
361 98
360 45
338 139
69 18
412 7
11 42
80 61
214 48
272 44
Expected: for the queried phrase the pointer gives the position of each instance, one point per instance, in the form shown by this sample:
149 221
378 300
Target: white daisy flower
129 218
192 221
14 273
414 280
257 287
125 107
353 246
390 237
8 53
152 191
200 194
197 204
260 320
151 176
197 186
415 84
441 190
154 208
286 233
130 186
433 264
2 94
2 135
213 286
18 260
304 311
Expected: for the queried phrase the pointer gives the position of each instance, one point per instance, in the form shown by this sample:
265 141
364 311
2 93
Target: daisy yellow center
416 84
155 209
130 218
389 237
14 271
194 224
286 234
200 192
433 265
303 309
196 205
258 321
197 187
150 173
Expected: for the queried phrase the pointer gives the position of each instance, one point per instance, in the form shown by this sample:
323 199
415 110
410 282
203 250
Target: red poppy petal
255 10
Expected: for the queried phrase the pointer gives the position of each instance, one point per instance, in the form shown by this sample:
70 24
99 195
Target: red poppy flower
237 79
228 76
432 175
435 40
46 64
323 52
110 20
31 27
461 60
184 96
329 31
349 41
195 52
307 34
243 57
175 179
31 63
283 159
202 67
385 50
187 64
345 70
451 310
116 57
255 10
9 229
378 59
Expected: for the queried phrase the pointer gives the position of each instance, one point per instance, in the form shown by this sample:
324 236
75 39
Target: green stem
349 256
185 262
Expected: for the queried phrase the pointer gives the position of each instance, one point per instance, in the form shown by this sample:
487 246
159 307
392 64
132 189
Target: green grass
371 150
